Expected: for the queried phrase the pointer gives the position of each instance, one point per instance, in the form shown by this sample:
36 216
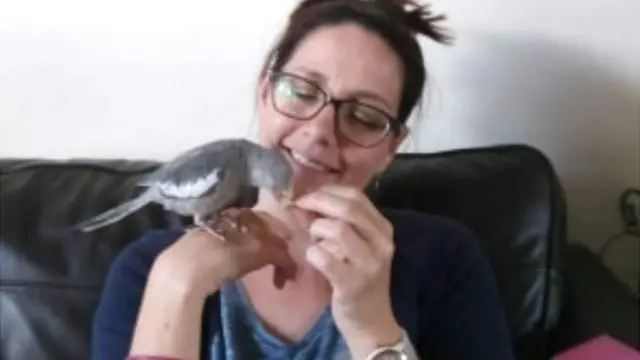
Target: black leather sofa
556 294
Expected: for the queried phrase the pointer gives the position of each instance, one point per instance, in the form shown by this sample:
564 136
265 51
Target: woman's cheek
358 173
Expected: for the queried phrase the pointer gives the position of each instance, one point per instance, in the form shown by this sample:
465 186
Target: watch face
390 354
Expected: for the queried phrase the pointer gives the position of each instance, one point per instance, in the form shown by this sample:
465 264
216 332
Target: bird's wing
195 172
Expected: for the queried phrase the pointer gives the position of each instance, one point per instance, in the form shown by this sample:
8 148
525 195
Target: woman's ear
394 145
397 141
263 88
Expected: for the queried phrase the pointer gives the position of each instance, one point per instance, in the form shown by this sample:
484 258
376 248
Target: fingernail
313 254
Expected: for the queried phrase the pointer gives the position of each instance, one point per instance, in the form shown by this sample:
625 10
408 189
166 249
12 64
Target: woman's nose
321 129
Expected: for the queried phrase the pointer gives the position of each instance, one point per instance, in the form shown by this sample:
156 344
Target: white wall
82 78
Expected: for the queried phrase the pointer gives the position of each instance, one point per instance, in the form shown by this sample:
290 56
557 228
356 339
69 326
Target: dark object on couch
555 294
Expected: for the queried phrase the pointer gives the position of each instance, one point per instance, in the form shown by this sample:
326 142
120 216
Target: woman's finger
284 269
333 269
357 197
349 243
382 233
328 205
333 206
333 248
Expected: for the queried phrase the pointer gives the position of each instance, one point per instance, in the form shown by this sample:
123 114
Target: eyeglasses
302 99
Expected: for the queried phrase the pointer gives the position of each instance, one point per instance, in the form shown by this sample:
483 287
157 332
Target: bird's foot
242 222
237 224
202 224
208 229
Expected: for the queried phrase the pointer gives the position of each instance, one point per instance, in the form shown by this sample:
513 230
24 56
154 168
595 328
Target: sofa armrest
595 302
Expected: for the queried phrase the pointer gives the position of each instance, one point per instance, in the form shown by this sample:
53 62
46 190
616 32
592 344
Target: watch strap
403 347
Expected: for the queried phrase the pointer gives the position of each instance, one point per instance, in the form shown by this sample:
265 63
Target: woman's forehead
349 59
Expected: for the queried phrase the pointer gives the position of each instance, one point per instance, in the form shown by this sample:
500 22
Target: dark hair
396 21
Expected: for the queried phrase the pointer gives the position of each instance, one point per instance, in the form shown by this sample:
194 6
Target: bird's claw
212 232
238 224
204 226
236 221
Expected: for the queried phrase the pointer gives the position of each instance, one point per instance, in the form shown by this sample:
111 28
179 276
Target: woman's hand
196 265
200 263
354 249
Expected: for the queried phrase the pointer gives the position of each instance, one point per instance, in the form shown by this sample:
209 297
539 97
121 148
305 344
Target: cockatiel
203 181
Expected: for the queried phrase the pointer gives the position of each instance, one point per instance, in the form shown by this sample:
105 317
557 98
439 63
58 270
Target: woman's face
346 62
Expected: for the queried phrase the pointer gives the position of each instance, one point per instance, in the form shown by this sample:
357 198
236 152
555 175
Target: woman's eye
305 94
370 121
285 88
291 90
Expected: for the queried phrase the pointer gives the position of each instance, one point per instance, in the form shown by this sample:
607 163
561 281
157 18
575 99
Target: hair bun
306 4
419 19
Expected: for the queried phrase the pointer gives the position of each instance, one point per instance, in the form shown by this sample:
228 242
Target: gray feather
115 214
202 181
199 162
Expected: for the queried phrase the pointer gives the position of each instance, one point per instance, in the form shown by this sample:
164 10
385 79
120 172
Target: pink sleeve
600 348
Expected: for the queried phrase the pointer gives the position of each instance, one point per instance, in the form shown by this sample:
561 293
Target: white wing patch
190 189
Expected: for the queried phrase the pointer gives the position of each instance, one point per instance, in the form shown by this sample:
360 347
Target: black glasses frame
392 122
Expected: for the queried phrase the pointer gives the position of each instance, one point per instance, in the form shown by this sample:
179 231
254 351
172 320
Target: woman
334 96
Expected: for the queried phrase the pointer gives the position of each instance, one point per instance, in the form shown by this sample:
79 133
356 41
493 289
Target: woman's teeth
303 160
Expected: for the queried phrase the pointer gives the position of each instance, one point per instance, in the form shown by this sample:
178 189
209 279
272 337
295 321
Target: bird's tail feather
114 214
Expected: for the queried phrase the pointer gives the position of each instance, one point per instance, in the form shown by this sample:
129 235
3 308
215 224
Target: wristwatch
400 351
388 353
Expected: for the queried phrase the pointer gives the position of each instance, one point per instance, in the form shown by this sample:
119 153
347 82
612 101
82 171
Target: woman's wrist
164 278
363 342
169 320
178 290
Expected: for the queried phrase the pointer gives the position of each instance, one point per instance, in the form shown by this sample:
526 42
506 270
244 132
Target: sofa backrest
51 278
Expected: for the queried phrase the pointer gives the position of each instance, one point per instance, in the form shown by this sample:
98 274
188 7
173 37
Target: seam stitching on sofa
46 285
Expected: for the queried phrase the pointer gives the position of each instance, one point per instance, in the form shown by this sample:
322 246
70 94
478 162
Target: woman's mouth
309 163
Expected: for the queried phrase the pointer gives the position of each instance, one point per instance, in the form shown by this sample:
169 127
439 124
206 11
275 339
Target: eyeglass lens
302 99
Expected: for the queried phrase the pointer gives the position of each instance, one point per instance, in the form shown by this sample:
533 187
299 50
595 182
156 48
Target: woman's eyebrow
365 94
312 74
362 94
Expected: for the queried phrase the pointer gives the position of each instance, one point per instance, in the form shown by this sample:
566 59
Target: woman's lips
310 175
309 163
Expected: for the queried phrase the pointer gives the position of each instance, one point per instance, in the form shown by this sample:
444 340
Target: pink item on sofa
602 347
